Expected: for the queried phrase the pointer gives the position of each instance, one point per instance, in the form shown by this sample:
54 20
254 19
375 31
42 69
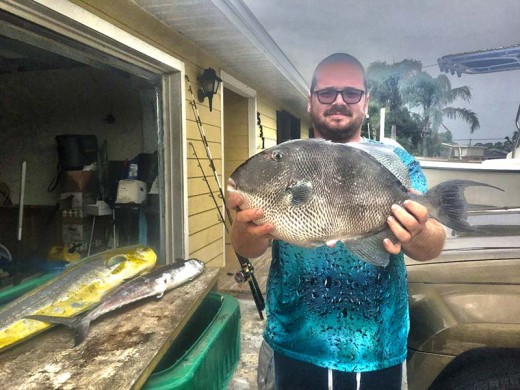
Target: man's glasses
349 95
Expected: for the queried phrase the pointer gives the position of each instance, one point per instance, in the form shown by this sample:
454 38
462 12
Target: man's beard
336 133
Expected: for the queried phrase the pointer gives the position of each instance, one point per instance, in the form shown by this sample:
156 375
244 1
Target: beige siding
236 143
304 128
236 138
267 110
204 224
205 237
211 253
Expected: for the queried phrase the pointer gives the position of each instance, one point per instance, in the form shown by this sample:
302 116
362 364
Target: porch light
209 82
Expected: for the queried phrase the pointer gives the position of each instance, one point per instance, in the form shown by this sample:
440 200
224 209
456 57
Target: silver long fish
155 283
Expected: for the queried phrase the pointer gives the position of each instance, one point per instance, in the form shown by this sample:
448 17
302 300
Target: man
335 321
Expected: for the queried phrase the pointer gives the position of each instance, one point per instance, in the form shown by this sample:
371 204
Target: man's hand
406 223
420 237
248 238
248 216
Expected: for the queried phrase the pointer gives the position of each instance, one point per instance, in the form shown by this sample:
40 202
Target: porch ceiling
227 30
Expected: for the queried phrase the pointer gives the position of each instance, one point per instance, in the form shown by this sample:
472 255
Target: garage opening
81 152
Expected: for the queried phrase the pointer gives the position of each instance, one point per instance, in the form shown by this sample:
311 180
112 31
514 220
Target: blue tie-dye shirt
327 307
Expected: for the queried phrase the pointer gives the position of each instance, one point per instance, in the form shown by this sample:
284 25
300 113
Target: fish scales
73 291
334 187
316 192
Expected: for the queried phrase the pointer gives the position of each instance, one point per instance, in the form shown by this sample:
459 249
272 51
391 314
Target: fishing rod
205 178
247 272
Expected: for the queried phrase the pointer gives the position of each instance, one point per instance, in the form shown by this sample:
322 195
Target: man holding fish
335 317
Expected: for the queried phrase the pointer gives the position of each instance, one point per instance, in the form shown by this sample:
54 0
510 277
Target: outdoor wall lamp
209 82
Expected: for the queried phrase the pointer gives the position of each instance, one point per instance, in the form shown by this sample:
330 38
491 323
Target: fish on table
73 291
155 283
316 192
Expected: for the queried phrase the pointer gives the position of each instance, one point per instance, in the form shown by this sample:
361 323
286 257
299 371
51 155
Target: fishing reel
244 275
247 275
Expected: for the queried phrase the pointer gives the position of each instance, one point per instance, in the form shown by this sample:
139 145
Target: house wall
304 128
204 227
236 144
267 110
206 233
236 127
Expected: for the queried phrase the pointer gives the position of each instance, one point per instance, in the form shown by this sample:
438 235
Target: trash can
205 354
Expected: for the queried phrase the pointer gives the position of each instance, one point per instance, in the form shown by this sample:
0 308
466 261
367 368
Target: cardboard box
77 230
73 233
76 200
79 181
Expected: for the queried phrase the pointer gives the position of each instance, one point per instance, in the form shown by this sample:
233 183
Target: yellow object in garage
63 253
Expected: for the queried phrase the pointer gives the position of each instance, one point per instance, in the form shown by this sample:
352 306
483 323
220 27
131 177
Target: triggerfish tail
447 203
80 325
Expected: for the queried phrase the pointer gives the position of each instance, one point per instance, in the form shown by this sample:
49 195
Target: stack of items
79 189
78 159
132 219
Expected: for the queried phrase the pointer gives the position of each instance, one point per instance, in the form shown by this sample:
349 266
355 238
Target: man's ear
367 100
309 97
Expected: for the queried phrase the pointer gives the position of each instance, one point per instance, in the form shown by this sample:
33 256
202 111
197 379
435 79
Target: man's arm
420 237
247 238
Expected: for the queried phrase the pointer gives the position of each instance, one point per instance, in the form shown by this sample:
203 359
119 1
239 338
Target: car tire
486 373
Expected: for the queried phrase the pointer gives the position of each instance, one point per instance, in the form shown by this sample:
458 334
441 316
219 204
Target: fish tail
81 330
80 325
447 203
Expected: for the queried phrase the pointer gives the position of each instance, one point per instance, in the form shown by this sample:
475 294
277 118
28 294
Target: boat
501 173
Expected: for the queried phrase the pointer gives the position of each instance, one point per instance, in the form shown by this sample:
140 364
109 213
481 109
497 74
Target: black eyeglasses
349 95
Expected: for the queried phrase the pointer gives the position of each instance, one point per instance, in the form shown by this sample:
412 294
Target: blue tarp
484 61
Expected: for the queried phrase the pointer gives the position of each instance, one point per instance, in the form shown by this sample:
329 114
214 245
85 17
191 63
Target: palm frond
466 115
463 93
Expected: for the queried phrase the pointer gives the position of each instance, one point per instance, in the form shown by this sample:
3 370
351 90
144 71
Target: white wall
37 106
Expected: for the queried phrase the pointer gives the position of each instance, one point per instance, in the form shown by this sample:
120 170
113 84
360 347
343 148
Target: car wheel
486 373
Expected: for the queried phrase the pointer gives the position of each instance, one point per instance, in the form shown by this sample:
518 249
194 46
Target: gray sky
393 30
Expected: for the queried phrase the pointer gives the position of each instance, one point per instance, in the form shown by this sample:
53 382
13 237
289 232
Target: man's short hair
338 58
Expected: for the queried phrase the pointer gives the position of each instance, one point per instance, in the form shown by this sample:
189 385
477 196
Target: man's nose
339 100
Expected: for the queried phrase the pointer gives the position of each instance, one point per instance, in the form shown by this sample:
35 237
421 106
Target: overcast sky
393 30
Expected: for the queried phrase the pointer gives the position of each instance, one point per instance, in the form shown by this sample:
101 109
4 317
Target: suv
465 309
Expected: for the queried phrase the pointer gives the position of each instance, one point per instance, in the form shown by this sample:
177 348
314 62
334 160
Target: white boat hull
504 174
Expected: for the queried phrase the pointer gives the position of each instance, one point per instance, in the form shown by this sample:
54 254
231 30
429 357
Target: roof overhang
229 31
483 61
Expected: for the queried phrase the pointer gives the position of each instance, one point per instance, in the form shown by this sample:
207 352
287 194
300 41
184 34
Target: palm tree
433 97
385 82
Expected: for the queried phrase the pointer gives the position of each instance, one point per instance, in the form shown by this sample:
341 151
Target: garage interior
79 162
